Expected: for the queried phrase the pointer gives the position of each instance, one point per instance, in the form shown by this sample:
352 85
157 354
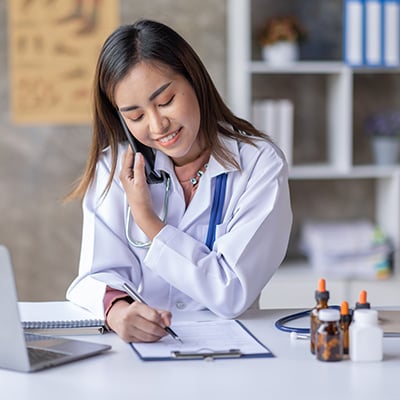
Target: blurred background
44 139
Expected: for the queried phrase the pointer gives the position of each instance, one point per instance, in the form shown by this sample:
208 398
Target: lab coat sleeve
105 257
250 243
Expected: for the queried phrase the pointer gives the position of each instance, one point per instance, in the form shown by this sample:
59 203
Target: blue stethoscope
281 323
215 216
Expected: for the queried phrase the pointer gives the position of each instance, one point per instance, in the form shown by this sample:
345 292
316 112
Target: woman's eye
136 119
167 102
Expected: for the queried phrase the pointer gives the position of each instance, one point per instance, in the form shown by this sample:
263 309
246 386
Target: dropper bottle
362 302
321 297
345 320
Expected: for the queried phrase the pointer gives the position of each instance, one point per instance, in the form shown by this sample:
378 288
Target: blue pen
136 296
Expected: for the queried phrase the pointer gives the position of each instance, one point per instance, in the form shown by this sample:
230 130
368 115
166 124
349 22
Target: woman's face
161 110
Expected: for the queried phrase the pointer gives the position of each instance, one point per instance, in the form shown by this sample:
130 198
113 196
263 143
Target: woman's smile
170 139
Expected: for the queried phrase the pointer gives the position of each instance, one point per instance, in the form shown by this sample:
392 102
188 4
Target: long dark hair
154 43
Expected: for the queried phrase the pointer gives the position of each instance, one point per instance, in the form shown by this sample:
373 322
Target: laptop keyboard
39 355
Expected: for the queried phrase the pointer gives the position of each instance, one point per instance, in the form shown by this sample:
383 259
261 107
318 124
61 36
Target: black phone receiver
151 175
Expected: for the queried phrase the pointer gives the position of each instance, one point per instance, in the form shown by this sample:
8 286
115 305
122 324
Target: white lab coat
178 271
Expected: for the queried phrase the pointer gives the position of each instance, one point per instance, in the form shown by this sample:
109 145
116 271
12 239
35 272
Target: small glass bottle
345 319
366 336
321 297
329 340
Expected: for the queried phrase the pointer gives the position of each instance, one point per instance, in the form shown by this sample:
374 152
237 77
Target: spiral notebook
59 317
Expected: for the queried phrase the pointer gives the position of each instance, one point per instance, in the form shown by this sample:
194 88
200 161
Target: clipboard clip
206 354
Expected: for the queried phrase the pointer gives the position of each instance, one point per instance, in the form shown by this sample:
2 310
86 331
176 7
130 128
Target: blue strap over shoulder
216 210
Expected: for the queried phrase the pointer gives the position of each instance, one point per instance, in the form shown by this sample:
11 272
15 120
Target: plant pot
281 53
385 150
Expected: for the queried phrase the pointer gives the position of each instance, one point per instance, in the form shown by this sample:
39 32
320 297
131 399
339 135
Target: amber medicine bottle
329 341
345 320
321 298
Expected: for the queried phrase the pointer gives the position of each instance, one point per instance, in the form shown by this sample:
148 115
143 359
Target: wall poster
53 49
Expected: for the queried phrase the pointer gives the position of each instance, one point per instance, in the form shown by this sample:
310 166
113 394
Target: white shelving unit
338 130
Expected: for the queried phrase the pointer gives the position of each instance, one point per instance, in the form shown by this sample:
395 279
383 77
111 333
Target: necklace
195 180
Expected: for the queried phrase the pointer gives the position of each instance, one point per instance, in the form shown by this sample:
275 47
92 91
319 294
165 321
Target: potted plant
280 38
384 130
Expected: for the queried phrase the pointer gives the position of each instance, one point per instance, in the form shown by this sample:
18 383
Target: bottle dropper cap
344 308
362 301
345 315
321 293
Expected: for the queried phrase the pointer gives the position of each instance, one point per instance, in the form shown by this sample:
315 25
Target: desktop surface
294 373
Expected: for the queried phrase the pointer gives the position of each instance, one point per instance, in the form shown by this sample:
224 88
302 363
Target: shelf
327 118
326 171
299 67
375 70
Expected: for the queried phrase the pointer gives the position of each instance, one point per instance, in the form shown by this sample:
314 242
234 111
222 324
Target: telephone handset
148 154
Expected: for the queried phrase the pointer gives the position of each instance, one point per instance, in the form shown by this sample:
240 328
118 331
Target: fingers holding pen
138 322
148 324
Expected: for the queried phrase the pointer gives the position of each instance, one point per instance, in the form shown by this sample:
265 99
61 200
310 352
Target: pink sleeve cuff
111 296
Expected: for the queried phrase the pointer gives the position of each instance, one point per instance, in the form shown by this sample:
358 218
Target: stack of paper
346 249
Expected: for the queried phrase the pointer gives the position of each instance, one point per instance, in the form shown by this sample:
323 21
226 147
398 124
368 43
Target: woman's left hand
138 194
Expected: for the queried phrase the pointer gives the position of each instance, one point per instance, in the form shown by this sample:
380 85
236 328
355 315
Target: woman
149 79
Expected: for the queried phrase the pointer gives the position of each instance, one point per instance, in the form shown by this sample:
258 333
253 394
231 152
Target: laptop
28 352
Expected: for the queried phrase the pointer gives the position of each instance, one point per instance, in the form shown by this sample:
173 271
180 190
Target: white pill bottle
366 336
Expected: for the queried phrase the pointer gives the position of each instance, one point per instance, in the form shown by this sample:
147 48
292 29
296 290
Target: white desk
293 374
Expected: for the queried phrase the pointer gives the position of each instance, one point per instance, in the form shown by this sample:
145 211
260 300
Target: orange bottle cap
344 308
321 285
363 297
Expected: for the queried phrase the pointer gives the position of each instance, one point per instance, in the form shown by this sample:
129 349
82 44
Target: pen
136 296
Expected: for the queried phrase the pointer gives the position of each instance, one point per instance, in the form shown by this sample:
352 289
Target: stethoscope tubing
215 215
281 323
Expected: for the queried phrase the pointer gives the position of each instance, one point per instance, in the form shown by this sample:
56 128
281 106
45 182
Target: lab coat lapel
199 208
200 203
202 200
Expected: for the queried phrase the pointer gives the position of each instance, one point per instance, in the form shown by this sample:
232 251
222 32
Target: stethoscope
215 215
281 323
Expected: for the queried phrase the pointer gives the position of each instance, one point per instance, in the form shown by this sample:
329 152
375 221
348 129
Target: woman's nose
158 123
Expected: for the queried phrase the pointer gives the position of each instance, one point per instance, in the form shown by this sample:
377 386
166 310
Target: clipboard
204 340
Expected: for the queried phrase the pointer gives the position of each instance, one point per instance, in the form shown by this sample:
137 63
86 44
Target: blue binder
354 32
371 33
391 33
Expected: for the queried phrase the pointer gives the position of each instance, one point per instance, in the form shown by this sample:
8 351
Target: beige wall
39 163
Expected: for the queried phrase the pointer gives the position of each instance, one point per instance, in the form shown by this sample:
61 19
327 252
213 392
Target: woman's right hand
138 322
138 194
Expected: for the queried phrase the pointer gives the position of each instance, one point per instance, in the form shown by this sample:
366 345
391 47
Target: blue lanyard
216 210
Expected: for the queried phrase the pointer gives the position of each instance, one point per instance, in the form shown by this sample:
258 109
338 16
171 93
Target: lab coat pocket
199 232
221 230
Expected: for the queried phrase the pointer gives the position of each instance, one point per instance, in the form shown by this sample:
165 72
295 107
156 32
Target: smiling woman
162 111
224 207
